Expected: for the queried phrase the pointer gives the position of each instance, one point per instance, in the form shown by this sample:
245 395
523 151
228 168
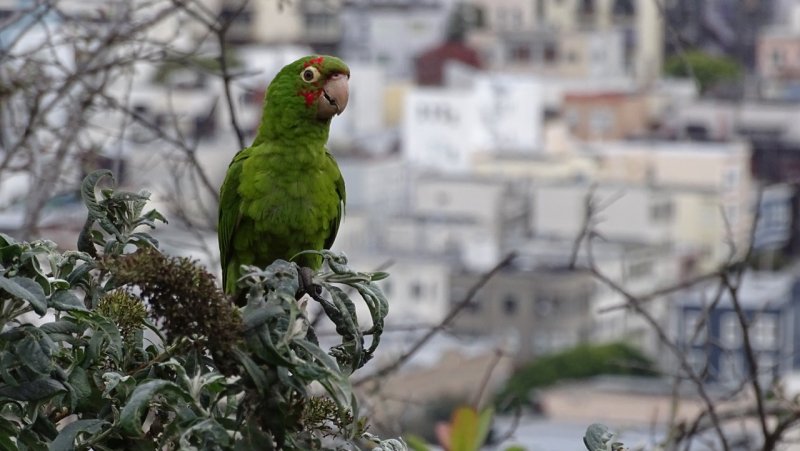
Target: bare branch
461 305
664 338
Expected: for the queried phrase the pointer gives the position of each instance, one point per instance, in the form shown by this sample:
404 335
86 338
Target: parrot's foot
308 288
306 279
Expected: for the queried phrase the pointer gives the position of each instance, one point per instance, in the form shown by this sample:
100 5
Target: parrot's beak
334 97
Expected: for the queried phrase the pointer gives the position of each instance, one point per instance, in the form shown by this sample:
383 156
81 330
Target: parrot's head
311 88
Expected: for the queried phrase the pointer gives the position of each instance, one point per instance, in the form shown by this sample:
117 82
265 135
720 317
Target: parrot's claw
306 279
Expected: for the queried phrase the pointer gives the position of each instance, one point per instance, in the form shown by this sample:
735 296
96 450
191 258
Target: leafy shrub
117 346
708 70
577 363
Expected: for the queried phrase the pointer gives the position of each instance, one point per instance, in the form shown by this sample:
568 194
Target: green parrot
285 194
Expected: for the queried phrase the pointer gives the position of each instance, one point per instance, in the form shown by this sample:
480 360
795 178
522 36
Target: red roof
430 64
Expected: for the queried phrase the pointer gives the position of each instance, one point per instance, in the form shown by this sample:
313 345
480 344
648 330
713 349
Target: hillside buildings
480 128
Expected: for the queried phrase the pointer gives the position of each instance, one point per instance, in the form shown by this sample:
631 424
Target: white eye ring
310 74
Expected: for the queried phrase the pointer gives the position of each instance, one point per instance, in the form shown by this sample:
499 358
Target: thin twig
498 354
664 338
588 215
461 305
226 83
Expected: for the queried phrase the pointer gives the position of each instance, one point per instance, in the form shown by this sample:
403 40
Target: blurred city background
623 150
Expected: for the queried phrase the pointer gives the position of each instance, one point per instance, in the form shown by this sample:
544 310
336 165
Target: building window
521 53
766 362
516 18
572 56
233 15
730 367
476 16
623 8
572 118
319 22
730 330
544 306
764 332
601 121
778 214
661 211
767 368
432 112
587 7
731 178
698 132
777 58
542 342
695 321
416 290
550 52
500 19
510 305
697 360
640 269
540 10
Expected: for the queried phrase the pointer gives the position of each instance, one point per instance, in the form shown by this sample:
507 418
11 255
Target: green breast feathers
285 193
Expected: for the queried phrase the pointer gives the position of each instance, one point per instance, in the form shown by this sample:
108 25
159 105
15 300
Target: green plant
421 422
708 70
466 431
577 363
117 346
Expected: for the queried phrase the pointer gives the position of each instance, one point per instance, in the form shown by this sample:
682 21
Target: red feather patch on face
310 96
314 61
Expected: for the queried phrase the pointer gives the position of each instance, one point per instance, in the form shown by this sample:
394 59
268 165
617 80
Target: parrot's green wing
229 215
342 201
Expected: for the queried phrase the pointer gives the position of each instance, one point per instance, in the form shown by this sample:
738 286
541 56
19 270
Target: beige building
720 172
778 55
564 31
607 116
691 194
263 21
640 18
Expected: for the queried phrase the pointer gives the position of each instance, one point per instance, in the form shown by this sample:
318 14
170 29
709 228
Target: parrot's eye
310 74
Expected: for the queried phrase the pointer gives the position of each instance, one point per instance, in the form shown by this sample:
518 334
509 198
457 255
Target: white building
441 129
473 222
445 128
628 213
362 121
375 183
